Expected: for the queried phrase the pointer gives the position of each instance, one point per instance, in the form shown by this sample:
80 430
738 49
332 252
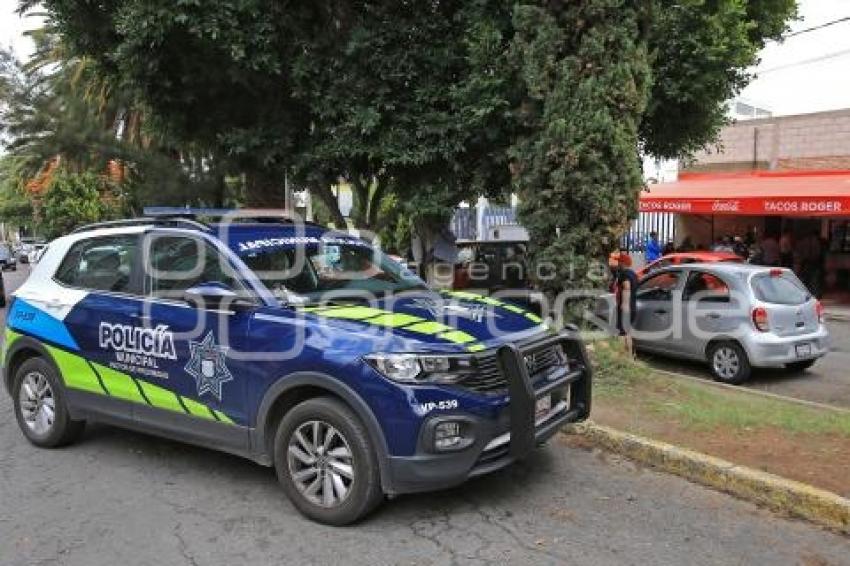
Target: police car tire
366 491
64 430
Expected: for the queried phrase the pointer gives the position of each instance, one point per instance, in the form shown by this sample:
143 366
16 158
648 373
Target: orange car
688 257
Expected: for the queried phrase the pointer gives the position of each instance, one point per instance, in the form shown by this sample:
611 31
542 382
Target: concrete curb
779 494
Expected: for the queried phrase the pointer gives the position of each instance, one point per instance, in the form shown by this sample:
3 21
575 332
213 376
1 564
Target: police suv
292 345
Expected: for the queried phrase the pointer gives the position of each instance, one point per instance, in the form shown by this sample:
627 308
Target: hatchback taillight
760 320
820 311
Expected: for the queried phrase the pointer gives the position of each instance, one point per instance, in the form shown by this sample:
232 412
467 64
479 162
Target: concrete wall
807 141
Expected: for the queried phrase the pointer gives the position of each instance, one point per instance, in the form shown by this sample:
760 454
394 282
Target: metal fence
664 223
464 223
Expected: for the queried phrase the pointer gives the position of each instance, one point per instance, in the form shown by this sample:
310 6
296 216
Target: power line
820 26
805 62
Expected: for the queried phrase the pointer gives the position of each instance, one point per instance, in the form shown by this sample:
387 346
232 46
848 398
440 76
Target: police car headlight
398 367
414 368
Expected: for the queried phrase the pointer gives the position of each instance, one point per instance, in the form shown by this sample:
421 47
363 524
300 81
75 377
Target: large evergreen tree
587 74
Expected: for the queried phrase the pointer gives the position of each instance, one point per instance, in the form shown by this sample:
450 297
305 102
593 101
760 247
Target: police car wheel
40 406
326 463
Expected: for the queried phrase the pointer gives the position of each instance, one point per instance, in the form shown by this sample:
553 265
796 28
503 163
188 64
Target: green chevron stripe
76 372
161 398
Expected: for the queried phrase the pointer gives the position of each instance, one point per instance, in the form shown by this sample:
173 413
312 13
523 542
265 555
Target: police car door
204 371
100 291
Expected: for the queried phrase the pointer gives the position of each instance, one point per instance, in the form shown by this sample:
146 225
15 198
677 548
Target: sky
793 77
790 81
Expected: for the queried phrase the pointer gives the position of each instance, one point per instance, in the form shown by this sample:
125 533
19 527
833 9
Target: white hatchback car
732 316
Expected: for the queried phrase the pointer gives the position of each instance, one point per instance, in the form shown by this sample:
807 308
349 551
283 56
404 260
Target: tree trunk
323 191
360 210
375 202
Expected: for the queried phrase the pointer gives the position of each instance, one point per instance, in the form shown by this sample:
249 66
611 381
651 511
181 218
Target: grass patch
615 372
702 407
635 389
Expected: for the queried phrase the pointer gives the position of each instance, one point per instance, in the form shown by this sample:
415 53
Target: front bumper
765 350
497 443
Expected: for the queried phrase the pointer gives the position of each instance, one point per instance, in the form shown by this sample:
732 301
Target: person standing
808 258
653 248
770 251
739 248
624 287
786 250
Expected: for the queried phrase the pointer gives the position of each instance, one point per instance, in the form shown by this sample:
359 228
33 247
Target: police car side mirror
216 295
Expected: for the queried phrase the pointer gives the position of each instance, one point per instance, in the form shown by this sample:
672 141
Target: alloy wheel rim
38 405
321 463
726 362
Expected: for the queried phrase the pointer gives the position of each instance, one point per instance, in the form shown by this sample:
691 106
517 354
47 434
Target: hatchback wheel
40 406
729 363
326 463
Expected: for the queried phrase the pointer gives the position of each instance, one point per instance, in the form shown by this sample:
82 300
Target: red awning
796 193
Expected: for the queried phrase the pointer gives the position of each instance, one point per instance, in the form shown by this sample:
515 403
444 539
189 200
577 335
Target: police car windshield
314 269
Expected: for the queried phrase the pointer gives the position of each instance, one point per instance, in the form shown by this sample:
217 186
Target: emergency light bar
186 211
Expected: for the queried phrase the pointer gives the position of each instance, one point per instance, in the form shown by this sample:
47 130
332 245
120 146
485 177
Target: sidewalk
839 313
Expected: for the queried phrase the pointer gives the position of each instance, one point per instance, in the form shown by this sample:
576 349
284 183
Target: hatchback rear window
783 289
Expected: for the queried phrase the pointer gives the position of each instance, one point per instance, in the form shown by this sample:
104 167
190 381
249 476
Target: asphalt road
124 498
827 382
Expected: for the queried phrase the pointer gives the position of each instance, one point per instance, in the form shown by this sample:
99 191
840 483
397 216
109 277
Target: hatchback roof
724 267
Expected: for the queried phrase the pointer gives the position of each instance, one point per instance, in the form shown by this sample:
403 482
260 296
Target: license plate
804 350
543 406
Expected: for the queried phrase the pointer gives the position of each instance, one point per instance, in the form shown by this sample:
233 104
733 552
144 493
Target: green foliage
74 199
15 208
701 51
586 71
616 372
431 102
395 229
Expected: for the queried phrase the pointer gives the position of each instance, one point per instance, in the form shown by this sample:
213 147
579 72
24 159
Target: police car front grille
488 378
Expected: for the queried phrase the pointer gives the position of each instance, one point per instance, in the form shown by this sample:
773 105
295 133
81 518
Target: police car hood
451 320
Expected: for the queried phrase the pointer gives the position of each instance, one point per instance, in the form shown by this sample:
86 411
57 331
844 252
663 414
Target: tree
74 199
587 75
701 52
268 87
15 206
435 101
56 107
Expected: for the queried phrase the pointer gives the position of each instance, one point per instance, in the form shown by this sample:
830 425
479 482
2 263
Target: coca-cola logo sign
726 206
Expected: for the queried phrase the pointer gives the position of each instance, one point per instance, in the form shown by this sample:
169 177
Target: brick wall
806 141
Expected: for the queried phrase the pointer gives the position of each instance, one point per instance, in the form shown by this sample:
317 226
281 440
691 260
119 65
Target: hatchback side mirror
214 295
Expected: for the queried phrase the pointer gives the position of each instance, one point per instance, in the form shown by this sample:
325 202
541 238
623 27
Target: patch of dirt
821 460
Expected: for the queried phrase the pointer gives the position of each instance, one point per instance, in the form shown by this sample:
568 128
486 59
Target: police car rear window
100 264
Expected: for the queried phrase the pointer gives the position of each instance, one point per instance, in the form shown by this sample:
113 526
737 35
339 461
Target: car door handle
714 315
660 311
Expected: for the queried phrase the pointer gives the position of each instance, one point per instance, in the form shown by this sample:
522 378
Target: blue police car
292 345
